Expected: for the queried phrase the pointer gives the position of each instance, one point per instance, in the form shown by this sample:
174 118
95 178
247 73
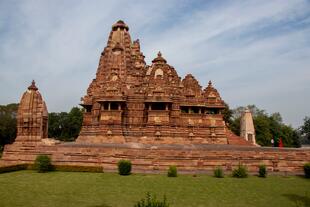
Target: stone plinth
200 158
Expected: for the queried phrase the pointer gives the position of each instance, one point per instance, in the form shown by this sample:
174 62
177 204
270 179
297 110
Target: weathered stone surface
148 115
32 116
151 158
247 130
130 101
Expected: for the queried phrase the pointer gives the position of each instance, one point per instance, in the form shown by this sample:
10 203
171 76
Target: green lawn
28 188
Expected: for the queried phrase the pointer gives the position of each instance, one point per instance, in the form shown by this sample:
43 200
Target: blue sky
255 52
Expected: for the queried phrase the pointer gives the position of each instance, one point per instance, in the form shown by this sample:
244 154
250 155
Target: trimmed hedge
262 171
172 171
12 168
43 163
71 168
218 172
1 150
307 170
124 167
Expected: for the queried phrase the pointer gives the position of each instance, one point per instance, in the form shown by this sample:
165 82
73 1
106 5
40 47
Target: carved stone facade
247 130
148 115
32 116
130 101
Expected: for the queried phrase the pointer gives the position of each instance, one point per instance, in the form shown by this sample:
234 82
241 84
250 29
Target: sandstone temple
130 101
149 115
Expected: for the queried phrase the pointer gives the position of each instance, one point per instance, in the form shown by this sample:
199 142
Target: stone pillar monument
247 130
32 116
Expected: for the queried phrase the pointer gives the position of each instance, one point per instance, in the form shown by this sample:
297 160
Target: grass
29 188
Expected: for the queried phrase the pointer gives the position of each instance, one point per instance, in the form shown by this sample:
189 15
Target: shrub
262 171
151 201
1 150
124 167
307 170
73 168
218 172
240 172
12 168
43 163
172 171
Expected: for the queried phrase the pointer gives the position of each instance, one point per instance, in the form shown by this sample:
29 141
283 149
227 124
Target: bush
172 171
262 171
72 168
307 170
12 168
43 163
218 172
150 201
240 172
1 150
124 167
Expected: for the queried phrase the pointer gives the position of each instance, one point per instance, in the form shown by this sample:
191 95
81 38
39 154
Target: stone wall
157 158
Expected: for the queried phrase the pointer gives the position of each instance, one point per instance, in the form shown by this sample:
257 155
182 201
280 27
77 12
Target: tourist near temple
149 115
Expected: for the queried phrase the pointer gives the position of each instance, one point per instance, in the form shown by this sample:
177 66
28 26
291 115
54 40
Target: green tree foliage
8 115
65 126
305 128
227 114
267 127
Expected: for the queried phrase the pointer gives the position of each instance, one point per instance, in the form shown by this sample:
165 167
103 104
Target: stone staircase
233 139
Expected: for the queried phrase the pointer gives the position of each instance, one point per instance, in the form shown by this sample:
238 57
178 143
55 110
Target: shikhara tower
130 101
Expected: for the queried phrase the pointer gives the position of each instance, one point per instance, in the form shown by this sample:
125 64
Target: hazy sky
255 52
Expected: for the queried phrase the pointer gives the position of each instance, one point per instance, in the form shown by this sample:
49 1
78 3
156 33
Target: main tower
131 102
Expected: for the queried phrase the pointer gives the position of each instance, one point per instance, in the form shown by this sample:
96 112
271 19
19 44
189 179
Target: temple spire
159 58
33 86
210 84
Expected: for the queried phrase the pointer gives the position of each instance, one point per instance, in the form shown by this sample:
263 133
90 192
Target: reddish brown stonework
130 101
148 115
32 116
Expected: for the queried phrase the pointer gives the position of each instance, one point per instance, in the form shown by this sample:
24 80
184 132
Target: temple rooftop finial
210 83
33 86
159 58
120 24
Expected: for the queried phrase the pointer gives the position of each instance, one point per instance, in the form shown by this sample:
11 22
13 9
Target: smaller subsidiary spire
120 24
33 86
210 84
159 58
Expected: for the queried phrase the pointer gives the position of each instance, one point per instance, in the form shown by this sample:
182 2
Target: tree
305 128
227 114
8 115
267 127
65 126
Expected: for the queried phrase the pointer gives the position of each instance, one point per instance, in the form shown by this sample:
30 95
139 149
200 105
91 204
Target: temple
32 116
130 101
149 115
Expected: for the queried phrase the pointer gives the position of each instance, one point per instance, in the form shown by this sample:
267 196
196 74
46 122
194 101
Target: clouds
254 51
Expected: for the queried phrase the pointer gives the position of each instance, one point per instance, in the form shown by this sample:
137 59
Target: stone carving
32 116
140 112
129 100
247 130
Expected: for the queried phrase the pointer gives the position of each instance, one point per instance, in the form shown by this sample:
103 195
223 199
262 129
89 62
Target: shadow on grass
299 200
